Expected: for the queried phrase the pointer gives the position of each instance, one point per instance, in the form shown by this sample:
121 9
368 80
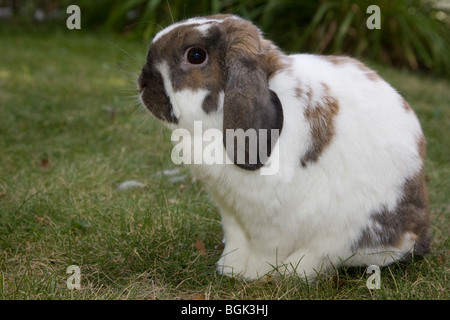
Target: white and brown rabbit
348 151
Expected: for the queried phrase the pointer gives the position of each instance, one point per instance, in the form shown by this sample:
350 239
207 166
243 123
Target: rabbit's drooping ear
249 104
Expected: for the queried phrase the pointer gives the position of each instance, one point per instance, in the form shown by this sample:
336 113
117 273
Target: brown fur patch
340 60
244 39
273 60
411 215
422 145
298 92
405 237
321 119
406 106
220 16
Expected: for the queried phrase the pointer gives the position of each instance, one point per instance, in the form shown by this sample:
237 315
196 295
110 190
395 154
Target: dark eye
196 55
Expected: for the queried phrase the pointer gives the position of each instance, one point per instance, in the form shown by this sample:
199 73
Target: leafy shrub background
414 33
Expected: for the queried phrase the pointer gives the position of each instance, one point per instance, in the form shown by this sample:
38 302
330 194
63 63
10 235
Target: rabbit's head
214 69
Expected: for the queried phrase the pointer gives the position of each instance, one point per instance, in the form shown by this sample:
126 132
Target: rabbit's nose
144 77
142 84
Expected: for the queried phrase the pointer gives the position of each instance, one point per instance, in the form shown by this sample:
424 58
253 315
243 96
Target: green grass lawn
71 131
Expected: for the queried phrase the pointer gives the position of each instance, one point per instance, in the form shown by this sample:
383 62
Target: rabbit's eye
196 55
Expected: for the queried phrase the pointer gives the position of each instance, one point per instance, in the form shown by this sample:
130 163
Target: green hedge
414 33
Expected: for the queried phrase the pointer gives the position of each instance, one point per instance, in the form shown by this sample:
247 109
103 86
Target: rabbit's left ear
249 104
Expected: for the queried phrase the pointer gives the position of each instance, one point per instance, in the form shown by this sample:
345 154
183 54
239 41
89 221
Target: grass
71 131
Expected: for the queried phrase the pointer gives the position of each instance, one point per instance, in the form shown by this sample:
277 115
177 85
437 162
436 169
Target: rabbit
344 182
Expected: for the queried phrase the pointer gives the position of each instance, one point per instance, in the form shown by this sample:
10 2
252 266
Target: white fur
203 23
305 220
187 104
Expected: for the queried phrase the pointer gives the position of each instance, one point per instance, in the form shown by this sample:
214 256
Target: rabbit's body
348 188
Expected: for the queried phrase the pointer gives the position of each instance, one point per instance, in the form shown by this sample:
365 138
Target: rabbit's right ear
249 104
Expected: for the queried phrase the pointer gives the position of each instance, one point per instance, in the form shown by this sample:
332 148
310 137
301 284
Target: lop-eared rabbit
349 151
